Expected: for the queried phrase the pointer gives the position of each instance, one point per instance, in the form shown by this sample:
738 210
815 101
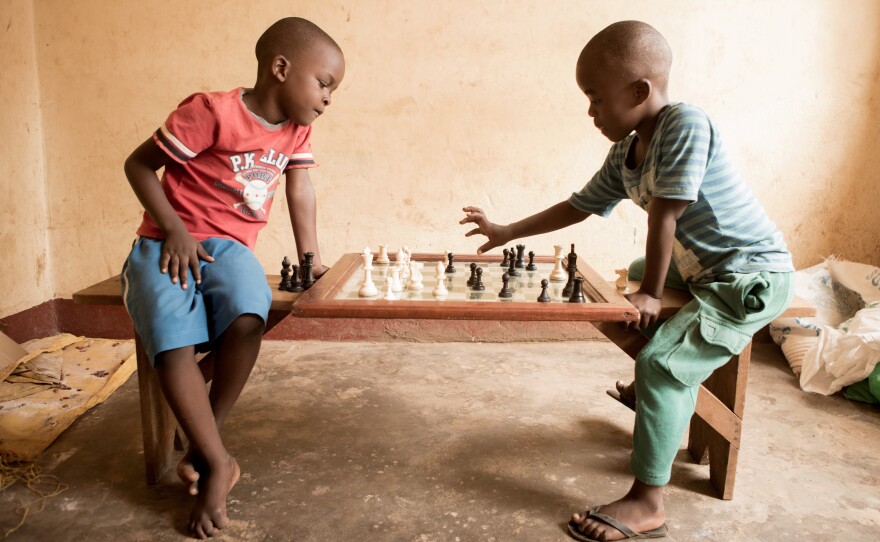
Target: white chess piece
440 291
415 276
401 255
368 289
389 290
396 285
368 258
382 258
622 279
558 274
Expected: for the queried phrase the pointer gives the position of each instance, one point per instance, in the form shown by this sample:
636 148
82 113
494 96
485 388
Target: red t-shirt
227 166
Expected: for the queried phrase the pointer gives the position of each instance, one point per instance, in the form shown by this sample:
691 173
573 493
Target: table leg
157 420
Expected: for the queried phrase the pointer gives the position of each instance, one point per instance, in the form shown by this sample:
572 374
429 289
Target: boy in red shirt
192 282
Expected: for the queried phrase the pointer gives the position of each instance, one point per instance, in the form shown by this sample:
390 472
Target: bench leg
157 421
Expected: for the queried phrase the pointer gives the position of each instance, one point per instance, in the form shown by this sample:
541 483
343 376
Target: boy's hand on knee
180 251
648 307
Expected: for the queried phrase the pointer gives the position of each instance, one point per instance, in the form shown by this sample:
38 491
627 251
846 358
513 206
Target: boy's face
310 80
613 103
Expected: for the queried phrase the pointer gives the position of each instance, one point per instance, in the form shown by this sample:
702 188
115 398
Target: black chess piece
531 266
572 259
478 284
577 294
506 262
285 275
566 292
505 292
450 268
308 277
520 256
295 284
473 277
511 269
544 297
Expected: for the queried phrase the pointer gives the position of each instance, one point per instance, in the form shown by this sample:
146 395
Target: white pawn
396 285
389 290
368 289
415 277
368 258
382 258
440 291
558 274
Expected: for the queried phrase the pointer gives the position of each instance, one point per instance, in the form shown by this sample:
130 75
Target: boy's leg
184 389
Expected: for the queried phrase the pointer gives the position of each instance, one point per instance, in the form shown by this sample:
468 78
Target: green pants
684 350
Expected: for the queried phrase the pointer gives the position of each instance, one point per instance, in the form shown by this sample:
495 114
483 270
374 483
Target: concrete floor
460 442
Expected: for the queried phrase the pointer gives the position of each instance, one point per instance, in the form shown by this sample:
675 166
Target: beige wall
443 105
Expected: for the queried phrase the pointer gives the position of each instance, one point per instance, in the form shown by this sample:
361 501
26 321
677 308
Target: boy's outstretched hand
648 307
497 235
179 252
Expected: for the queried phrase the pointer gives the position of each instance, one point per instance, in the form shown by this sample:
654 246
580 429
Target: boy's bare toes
186 471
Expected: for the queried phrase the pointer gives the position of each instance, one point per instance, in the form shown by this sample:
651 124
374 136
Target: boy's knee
637 269
247 325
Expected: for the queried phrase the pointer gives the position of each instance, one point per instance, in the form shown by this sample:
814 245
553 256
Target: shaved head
291 37
632 50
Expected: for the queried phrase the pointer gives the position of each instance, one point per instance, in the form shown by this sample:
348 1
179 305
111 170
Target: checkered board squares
526 287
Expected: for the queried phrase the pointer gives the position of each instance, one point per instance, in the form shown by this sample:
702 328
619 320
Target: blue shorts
167 317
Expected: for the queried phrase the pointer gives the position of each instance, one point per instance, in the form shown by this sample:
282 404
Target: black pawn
295 284
544 297
473 278
531 266
520 256
511 269
506 262
285 275
450 268
478 284
577 294
505 289
308 277
569 286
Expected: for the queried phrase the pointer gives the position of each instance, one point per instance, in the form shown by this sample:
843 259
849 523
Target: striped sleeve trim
301 160
173 146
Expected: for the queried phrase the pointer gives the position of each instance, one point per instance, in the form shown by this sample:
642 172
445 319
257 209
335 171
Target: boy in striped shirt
223 154
706 233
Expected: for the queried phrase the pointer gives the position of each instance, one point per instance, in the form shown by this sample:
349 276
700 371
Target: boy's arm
553 218
179 249
303 216
662 217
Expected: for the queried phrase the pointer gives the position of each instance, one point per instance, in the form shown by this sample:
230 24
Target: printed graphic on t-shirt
254 181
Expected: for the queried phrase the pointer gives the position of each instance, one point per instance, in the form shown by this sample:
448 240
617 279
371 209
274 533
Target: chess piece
520 256
505 289
506 262
401 255
577 293
572 259
569 286
558 274
544 297
531 266
296 284
285 275
622 279
478 284
368 258
440 291
389 290
450 268
473 278
511 269
308 277
382 258
415 276
368 289
396 285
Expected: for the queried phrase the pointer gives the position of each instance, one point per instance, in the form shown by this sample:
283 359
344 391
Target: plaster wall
444 105
25 278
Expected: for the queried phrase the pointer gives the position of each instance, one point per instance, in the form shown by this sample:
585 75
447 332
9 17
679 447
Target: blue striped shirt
724 230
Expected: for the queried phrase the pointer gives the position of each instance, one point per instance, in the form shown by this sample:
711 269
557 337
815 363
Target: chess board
336 293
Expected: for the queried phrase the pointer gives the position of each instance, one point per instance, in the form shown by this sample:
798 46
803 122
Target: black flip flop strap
629 533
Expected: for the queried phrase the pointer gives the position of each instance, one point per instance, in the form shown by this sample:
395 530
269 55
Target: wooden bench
157 421
716 427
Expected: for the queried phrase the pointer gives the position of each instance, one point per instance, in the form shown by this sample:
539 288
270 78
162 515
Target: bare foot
209 514
627 391
189 473
639 510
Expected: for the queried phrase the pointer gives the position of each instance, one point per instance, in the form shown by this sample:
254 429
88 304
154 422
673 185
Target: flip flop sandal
614 394
629 534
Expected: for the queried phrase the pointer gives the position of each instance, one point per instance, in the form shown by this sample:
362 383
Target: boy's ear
642 90
280 68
